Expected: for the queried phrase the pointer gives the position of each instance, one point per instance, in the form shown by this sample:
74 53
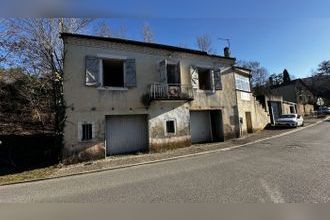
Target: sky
298 45
291 34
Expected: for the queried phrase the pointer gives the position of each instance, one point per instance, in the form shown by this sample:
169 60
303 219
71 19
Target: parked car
323 110
290 120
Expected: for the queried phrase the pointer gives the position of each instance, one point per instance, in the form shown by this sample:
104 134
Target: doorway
206 126
248 118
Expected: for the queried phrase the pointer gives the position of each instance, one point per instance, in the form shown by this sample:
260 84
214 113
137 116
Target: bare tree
103 29
121 32
259 73
204 43
35 45
148 35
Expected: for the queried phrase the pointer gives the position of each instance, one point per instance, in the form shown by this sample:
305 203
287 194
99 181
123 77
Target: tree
259 73
103 29
324 68
35 45
204 43
148 35
286 77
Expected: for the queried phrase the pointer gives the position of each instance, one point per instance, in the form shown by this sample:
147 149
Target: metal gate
126 134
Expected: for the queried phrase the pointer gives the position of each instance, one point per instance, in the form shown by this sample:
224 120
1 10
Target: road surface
292 168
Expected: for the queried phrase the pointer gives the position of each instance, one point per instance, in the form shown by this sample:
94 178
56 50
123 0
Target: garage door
200 126
126 134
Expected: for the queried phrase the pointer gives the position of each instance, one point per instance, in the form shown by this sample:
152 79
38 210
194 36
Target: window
242 83
113 73
86 132
170 127
205 79
173 74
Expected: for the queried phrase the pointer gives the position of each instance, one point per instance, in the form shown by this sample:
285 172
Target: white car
290 120
324 110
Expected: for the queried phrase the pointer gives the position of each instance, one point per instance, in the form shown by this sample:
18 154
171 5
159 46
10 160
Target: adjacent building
126 96
297 92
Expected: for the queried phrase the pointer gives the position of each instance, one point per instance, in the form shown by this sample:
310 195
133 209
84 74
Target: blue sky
297 44
291 34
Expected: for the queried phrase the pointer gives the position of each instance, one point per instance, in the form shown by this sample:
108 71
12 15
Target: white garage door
200 126
126 134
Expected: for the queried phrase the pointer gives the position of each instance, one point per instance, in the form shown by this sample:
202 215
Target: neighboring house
125 96
275 106
297 92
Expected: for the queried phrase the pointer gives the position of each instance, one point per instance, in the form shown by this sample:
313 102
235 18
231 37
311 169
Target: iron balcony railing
158 91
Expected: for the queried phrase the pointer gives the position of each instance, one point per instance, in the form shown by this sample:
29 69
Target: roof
295 81
242 68
144 44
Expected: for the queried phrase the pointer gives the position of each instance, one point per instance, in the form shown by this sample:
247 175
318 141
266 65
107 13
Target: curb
168 159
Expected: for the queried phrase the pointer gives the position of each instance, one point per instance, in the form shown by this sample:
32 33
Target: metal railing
158 91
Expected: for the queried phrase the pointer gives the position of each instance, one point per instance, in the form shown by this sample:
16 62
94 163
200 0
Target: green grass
28 175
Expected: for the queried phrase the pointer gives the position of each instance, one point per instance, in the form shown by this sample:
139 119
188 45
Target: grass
28 175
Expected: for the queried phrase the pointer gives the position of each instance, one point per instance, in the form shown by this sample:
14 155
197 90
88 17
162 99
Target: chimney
226 51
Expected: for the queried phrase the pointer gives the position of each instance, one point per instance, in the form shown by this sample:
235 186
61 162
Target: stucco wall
92 104
259 116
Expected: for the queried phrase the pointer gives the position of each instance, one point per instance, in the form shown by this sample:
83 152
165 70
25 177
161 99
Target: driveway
291 168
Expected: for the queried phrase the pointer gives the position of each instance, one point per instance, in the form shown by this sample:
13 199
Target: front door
249 127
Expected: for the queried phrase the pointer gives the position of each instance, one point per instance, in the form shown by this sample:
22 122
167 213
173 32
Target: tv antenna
226 40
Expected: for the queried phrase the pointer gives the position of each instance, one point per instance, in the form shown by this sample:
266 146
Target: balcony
159 91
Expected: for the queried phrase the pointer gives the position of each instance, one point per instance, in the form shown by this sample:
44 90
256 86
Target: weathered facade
275 106
252 116
297 92
125 96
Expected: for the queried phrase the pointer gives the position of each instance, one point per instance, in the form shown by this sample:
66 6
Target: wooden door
249 127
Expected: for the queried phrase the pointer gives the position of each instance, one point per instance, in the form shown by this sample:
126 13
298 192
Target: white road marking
274 194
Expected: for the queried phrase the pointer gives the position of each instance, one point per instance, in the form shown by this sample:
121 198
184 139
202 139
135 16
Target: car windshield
288 116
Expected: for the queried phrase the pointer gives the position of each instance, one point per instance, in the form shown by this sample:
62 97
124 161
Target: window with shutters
87 132
113 73
205 79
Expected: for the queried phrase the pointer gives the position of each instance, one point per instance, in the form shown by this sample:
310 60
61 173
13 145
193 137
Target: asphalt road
292 168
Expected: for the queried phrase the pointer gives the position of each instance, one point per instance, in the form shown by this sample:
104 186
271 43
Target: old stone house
297 92
125 96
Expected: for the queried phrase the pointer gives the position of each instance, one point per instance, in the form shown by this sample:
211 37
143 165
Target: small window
113 73
170 127
205 79
86 132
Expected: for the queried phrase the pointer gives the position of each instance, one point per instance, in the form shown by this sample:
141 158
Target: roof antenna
226 50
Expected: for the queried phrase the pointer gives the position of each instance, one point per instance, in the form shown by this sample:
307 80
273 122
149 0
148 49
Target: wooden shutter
178 73
130 73
217 79
163 72
211 72
194 77
92 71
